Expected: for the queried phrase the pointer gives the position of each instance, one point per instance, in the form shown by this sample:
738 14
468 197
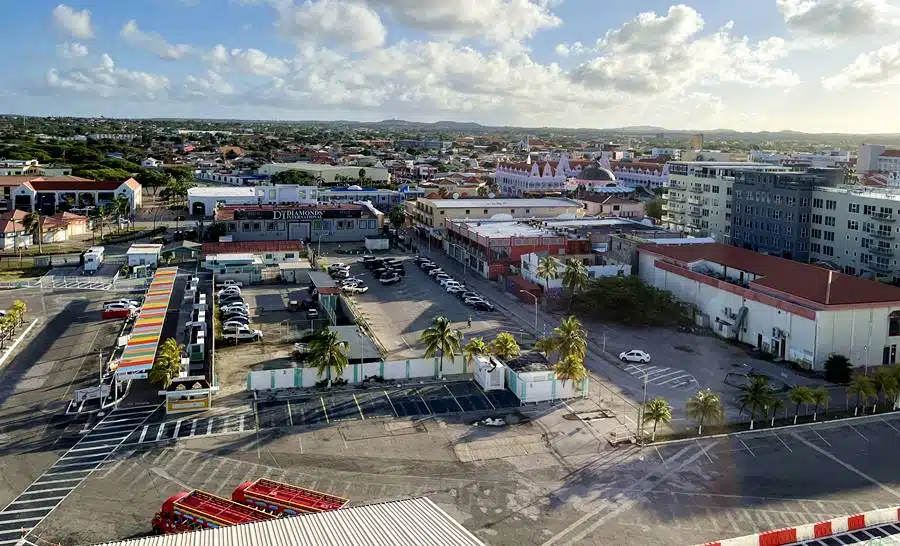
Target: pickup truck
242 334
230 282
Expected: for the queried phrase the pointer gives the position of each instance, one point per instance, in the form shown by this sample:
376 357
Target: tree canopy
294 176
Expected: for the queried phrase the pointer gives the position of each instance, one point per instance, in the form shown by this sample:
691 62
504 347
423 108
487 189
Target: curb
811 531
11 348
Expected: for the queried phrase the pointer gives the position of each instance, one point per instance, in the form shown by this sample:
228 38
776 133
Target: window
279 226
801 246
816 218
715 189
829 235
789 216
512 211
289 256
868 227
816 233
849 270
804 233
270 226
777 199
830 205
815 247
706 187
467 212
894 324
853 224
268 256
727 191
854 208
868 209
245 226
804 201
340 224
817 203
828 250
777 214
257 226
804 218
865 243
484 211
830 221
865 258
787 230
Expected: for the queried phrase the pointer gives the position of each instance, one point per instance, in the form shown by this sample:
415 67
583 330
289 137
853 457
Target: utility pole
640 430
535 309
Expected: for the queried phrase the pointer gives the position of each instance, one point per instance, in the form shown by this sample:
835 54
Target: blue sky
813 65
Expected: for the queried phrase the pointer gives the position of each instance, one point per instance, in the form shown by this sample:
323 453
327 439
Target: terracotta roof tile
890 153
805 281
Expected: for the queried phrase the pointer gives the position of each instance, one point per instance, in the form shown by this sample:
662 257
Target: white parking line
290 415
193 427
750 451
241 429
886 422
858 432
27 492
143 434
783 442
655 373
159 433
209 425
177 428
821 438
849 467
89 448
667 374
42 499
391 402
661 383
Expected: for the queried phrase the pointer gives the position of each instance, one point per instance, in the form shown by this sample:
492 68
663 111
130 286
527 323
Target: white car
235 307
454 288
634 355
338 265
231 282
228 290
436 271
351 280
235 323
243 333
448 280
356 289
133 303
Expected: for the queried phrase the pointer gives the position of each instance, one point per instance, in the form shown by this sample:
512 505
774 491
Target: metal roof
399 523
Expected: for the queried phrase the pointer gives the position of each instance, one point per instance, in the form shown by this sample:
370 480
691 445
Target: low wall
397 370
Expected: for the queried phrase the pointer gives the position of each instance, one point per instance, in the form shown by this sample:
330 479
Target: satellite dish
456 196
491 195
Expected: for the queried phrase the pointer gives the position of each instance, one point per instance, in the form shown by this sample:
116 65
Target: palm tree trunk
653 436
772 423
441 366
751 423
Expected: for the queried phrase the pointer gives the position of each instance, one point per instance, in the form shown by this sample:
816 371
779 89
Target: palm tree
548 269
441 336
326 352
756 397
799 395
775 404
546 346
482 191
571 369
570 338
659 411
885 382
33 223
120 207
505 347
6 327
476 347
705 407
575 278
862 387
19 308
167 364
819 398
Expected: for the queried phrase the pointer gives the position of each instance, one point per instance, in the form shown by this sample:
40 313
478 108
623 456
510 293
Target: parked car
133 303
483 305
340 274
351 280
235 307
356 289
338 266
389 279
235 315
436 271
230 282
419 260
398 270
428 265
455 288
372 264
312 313
442 277
449 280
224 302
119 306
229 289
466 294
245 333
634 355
235 322
473 301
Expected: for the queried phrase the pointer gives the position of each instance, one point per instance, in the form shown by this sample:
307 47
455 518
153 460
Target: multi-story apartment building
877 158
699 197
770 212
855 229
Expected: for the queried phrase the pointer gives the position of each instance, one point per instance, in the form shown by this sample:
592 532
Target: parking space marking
193 427
750 451
209 425
241 428
886 422
322 400
453 397
177 428
388 396
821 438
848 466
783 442
363 417
484 394
422 398
290 415
863 436
143 434
160 432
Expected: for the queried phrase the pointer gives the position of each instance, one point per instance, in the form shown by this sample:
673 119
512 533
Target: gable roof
79 184
805 281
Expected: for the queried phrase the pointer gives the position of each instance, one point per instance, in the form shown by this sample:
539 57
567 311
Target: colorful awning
141 349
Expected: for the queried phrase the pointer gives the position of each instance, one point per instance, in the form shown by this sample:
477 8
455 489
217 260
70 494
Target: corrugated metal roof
416 521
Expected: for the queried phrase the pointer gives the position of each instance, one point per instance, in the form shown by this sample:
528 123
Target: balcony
883 217
695 201
696 212
881 251
880 268
675 197
884 235
696 189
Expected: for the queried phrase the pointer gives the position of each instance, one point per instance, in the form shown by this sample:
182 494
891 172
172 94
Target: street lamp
535 309
641 411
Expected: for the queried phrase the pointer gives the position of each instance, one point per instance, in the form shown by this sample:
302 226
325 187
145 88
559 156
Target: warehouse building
307 223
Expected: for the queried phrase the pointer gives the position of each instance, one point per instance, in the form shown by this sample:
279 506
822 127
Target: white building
877 158
538 178
143 254
816 160
45 195
794 311
699 198
529 271
532 379
203 200
671 153
150 163
639 173
328 174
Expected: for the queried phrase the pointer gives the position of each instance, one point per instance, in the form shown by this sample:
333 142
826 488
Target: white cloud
349 24
210 85
76 23
667 55
153 42
573 49
72 50
835 19
107 81
879 67
505 22
250 61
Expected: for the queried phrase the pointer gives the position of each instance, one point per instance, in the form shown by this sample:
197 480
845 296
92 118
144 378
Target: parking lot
399 313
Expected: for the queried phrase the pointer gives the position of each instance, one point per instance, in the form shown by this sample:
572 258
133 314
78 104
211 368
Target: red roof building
794 311
45 194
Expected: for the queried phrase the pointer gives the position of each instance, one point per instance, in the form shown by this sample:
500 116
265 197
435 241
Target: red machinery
283 499
191 510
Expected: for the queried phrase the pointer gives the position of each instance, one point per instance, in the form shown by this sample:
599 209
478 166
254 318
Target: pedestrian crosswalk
173 429
660 376
46 493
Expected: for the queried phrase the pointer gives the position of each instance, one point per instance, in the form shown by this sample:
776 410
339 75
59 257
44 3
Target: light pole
535 309
641 411
319 250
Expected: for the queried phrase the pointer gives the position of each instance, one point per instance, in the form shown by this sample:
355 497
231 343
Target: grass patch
13 274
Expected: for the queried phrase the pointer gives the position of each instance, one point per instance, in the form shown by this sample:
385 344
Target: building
271 253
12 231
203 200
382 199
611 205
408 521
62 226
621 247
307 223
408 172
878 158
815 160
532 379
770 212
697 142
143 254
31 168
797 312
699 198
528 268
537 178
665 153
46 194
428 215
230 178
649 174
406 144
329 174
492 248
595 178
150 163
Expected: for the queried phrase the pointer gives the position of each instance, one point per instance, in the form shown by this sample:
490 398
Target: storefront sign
296 214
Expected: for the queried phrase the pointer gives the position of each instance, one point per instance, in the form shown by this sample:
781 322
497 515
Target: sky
748 65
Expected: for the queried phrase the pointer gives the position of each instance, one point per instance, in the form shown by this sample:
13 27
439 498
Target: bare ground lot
549 481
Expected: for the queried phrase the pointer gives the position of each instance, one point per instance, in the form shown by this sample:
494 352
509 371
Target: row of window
317 225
